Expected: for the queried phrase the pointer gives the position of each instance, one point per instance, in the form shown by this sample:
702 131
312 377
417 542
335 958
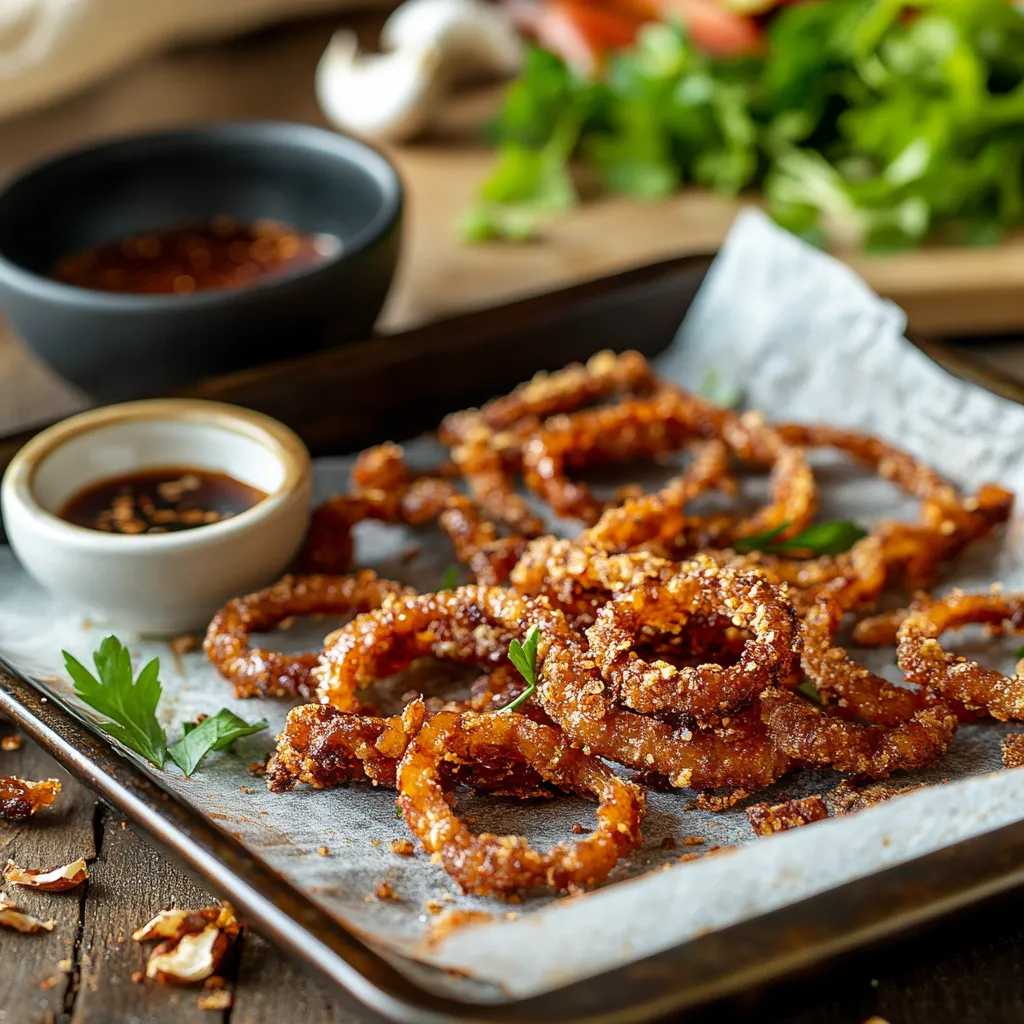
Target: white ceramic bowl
157 583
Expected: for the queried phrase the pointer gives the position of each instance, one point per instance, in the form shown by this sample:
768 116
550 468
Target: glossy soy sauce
164 500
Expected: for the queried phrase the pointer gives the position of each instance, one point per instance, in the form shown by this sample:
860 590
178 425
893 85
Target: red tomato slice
583 33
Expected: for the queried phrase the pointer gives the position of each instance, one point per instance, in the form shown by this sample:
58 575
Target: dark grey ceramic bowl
116 346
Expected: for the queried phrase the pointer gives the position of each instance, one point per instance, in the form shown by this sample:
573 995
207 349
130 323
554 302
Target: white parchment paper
804 339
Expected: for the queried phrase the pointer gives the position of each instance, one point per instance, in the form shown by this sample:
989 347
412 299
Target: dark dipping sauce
159 501
220 254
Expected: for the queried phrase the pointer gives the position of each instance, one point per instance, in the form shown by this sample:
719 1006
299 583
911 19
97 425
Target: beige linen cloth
50 48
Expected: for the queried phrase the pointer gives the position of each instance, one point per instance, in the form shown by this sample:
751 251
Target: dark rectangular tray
392 388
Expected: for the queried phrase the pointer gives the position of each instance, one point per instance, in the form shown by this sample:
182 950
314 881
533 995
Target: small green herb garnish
712 389
821 539
524 657
450 579
398 811
217 732
810 691
1019 653
130 707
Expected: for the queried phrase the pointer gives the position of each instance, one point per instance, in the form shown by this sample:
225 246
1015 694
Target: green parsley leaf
821 539
129 707
398 812
217 732
450 579
810 691
1019 653
524 657
759 541
711 388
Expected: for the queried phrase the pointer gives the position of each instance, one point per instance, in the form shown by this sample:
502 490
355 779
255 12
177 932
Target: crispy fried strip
923 661
708 691
506 865
20 799
256 672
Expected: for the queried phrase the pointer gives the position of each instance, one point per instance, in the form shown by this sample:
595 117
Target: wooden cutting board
270 75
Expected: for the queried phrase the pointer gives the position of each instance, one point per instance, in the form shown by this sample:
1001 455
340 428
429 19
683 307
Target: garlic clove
472 36
386 96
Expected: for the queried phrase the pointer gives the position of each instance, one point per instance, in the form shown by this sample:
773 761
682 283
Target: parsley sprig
450 579
129 707
831 538
712 388
524 657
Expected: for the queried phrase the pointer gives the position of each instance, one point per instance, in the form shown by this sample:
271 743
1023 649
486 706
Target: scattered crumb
689 806
264 812
433 906
1013 750
713 850
452 920
185 644
136 976
848 798
86 624
259 767
215 981
286 623
383 891
578 829
766 820
668 843
323 851
218 999
245 789
692 841
64 965
403 847
690 856
55 979
511 915
124 824
11 743
708 802
375 842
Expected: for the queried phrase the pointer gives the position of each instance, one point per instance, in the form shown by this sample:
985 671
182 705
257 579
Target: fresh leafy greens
810 691
524 657
885 120
129 706
217 732
713 390
1019 653
831 538
130 709
450 579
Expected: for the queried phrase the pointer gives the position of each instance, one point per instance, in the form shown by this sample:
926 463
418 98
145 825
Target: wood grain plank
130 883
271 990
36 971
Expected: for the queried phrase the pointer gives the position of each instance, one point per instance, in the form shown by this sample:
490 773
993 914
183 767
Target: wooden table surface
969 970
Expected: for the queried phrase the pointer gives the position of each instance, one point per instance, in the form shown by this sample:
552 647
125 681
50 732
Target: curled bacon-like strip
256 672
507 865
707 691
923 661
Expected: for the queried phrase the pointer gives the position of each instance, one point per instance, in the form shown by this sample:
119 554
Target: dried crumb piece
692 841
245 789
848 798
709 802
767 819
185 644
54 979
195 943
11 743
218 999
259 767
578 829
137 976
714 850
48 879
1013 750
403 847
383 891
64 965
375 842
323 851
12 917
454 919
20 799
690 856
668 843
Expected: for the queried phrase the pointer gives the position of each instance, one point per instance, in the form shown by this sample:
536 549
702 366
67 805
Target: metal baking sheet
805 340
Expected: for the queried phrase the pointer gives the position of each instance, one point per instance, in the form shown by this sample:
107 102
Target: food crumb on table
1013 750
